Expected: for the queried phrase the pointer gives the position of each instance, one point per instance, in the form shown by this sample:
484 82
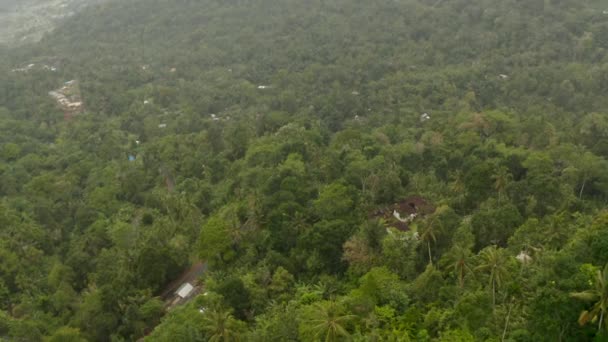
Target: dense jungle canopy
276 141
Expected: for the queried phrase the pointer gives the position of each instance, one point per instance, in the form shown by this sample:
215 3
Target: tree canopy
278 142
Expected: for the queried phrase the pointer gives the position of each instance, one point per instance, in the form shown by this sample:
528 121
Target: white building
523 257
185 290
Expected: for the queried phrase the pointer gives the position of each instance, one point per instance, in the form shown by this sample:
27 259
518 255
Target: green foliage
382 287
281 283
494 262
273 140
426 287
324 321
235 295
457 336
494 223
335 201
599 296
185 324
219 325
398 253
215 242
66 334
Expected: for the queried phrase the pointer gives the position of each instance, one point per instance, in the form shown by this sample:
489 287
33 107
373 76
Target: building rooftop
401 214
185 290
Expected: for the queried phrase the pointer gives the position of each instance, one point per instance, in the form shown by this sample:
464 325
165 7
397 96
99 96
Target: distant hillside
110 43
26 21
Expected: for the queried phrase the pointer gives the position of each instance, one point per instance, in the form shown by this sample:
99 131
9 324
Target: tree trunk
428 244
493 294
363 187
580 194
461 278
599 327
504 332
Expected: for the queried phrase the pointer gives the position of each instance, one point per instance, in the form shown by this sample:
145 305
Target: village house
184 288
401 214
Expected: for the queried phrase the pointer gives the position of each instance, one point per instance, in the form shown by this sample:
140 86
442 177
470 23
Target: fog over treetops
25 21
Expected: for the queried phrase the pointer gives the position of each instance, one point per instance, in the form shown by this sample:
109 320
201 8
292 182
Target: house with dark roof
401 214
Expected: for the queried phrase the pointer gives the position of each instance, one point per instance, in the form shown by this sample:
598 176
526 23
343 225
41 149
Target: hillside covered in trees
346 170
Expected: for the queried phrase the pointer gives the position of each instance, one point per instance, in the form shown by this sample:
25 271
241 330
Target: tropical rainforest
263 137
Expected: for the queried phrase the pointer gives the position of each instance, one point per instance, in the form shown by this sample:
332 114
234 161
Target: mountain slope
28 20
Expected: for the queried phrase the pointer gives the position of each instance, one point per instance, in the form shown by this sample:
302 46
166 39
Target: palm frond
584 318
341 331
588 296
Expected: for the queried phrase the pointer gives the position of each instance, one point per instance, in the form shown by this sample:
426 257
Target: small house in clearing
184 288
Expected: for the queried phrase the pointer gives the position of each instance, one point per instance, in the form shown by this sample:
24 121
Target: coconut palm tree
325 321
494 261
599 295
459 260
457 186
220 325
428 234
501 180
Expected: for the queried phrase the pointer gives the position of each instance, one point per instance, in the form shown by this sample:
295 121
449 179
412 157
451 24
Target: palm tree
459 260
501 180
504 331
494 261
220 325
599 295
326 322
457 185
428 234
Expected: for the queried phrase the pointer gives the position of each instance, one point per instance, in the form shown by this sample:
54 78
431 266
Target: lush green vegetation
274 186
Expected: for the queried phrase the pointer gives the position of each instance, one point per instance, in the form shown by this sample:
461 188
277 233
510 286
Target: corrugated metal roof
184 290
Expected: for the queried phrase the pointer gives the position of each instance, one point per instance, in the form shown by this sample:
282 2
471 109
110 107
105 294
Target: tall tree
599 295
494 262
215 241
325 321
459 261
428 233
221 326
501 180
